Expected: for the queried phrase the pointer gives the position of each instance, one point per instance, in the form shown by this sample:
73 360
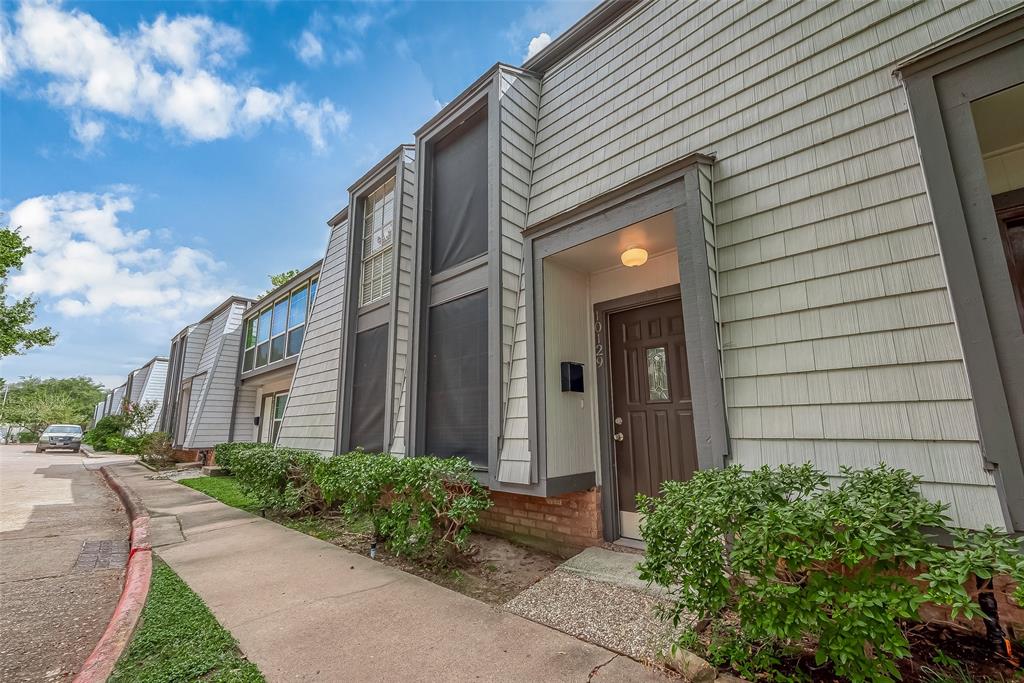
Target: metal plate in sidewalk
105 554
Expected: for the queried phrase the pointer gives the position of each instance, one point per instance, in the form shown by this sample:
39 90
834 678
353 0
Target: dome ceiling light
634 256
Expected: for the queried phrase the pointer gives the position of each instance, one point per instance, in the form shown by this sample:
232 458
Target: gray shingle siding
311 412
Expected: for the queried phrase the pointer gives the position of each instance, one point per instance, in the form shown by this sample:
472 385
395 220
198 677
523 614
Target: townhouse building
202 373
684 235
144 385
273 331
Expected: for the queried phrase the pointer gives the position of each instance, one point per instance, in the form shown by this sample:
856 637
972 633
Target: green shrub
418 506
124 445
109 426
224 453
843 569
27 437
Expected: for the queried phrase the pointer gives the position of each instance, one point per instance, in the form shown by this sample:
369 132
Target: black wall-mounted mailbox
256 421
572 376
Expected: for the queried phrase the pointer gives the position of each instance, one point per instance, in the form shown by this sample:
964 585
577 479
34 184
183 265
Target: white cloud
87 131
542 22
341 34
309 48
537 43
171 71
85 263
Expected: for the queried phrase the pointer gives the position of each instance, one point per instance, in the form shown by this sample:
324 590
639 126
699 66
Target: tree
278 280
35 412
33 402
16 337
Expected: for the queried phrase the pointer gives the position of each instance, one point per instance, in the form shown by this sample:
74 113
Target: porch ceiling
656 235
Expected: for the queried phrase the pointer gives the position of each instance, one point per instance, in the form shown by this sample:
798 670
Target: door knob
618 436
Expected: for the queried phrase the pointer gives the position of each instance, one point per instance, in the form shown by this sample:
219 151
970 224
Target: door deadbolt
618 420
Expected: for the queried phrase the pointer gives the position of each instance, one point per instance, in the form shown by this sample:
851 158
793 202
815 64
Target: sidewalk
306 610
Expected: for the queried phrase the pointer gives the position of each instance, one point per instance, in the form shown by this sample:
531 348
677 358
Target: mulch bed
494 571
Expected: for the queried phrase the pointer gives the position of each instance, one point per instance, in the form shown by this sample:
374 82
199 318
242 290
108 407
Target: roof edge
303 274
338 217
390 159
592 23
454 105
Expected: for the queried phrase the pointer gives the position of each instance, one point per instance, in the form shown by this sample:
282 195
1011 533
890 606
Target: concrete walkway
306 610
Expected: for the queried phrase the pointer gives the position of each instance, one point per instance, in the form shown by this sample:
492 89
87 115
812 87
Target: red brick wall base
192 454
563 525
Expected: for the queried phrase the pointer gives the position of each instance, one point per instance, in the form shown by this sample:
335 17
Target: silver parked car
60 436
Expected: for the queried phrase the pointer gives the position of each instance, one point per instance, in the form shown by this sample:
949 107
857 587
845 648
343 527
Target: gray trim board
482 94
359 319
673 188
939 93
271 367
570 483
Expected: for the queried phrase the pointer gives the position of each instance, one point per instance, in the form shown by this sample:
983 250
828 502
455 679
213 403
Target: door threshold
634 543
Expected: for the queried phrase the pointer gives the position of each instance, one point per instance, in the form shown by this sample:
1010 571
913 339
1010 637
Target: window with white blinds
378 224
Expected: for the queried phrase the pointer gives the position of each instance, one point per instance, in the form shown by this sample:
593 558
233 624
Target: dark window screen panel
459 225
456 400
368 390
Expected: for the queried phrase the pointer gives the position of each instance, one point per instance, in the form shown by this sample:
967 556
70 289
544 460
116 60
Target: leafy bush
843 569
224 453
27 437
418 506
108 427
125 445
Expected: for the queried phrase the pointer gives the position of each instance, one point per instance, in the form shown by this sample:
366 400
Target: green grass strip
180 640
224 489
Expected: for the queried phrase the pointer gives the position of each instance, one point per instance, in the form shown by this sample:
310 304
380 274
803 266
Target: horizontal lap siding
245 409
139 384
220 363
837 334
310 416
518 100
154 390
403 301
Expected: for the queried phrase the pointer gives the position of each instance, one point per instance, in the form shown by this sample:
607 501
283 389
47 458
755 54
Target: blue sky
160 156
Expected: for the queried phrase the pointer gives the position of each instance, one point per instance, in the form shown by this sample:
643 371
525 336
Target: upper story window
277 331
378 232
458 228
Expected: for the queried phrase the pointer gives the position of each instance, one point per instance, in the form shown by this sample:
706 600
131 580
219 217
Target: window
263 337
278 326
456 392
378 227
249 359
458 227
296 320
280 400
277 331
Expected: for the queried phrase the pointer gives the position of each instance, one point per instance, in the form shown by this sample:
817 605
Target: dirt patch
494 571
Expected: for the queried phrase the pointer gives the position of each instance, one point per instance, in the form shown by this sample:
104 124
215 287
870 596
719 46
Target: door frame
940 85
603 312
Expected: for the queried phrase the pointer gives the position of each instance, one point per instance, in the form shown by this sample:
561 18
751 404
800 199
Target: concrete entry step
598 596
611 566
214 471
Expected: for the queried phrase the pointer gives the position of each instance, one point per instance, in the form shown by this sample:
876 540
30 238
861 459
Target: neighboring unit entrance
652 407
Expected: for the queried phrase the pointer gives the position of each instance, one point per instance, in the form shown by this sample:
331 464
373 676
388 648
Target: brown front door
1011 229
652 406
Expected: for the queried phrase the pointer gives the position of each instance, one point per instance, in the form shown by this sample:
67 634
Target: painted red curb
126 615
